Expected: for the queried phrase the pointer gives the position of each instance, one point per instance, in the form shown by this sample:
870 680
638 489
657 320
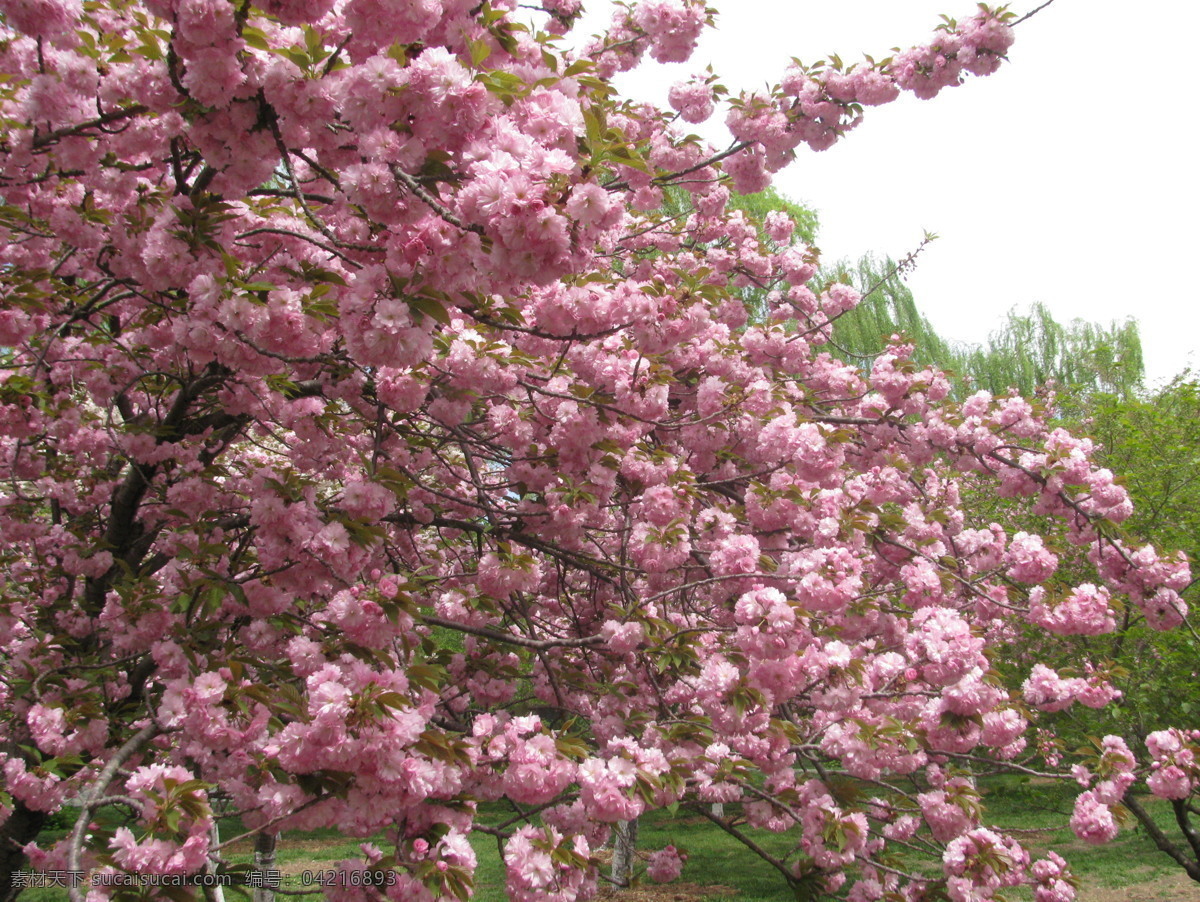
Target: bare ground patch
672 892
1173 887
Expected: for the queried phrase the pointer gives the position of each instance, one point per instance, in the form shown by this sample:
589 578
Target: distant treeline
1026 352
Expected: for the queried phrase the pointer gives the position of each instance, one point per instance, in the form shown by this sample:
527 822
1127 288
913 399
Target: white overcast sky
1069 176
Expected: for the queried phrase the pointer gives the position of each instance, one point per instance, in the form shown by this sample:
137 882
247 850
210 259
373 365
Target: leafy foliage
1027 353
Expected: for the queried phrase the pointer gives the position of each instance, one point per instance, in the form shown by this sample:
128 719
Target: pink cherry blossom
665 865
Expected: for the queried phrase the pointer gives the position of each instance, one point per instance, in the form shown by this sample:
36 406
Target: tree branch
1160 839
748 843
104 119
95 797
428 199
509 638
1031 14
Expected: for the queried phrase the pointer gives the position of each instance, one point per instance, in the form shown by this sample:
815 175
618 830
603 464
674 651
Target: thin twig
430 201
1031 14
115 116
537 644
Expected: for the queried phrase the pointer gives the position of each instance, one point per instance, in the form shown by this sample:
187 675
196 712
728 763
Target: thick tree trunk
214 893
1189 863
624 849
22 827
264 863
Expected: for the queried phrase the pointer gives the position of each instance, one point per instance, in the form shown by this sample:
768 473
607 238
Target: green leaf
255 37
480 50
429 307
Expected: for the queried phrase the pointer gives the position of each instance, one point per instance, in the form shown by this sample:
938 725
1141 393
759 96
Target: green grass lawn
1129 859
714 859
1039 812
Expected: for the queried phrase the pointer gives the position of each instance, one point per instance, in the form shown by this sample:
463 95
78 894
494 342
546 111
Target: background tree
1028 353
1033 350
1151 438
886 309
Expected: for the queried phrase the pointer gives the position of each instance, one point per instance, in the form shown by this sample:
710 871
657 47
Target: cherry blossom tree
373 445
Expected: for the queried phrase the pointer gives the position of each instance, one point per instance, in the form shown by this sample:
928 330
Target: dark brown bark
1190 865
22 827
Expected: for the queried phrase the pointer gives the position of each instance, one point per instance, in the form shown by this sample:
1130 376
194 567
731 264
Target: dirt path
1175 887
673 892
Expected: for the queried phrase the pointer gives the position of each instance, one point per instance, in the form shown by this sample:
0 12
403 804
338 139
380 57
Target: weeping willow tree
677 203
1028 350
756 207
887 309
1032 349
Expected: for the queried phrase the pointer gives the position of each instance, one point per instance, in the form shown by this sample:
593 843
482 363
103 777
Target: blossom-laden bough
374 446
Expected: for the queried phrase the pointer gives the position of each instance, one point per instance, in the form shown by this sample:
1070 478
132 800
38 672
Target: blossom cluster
1174 762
